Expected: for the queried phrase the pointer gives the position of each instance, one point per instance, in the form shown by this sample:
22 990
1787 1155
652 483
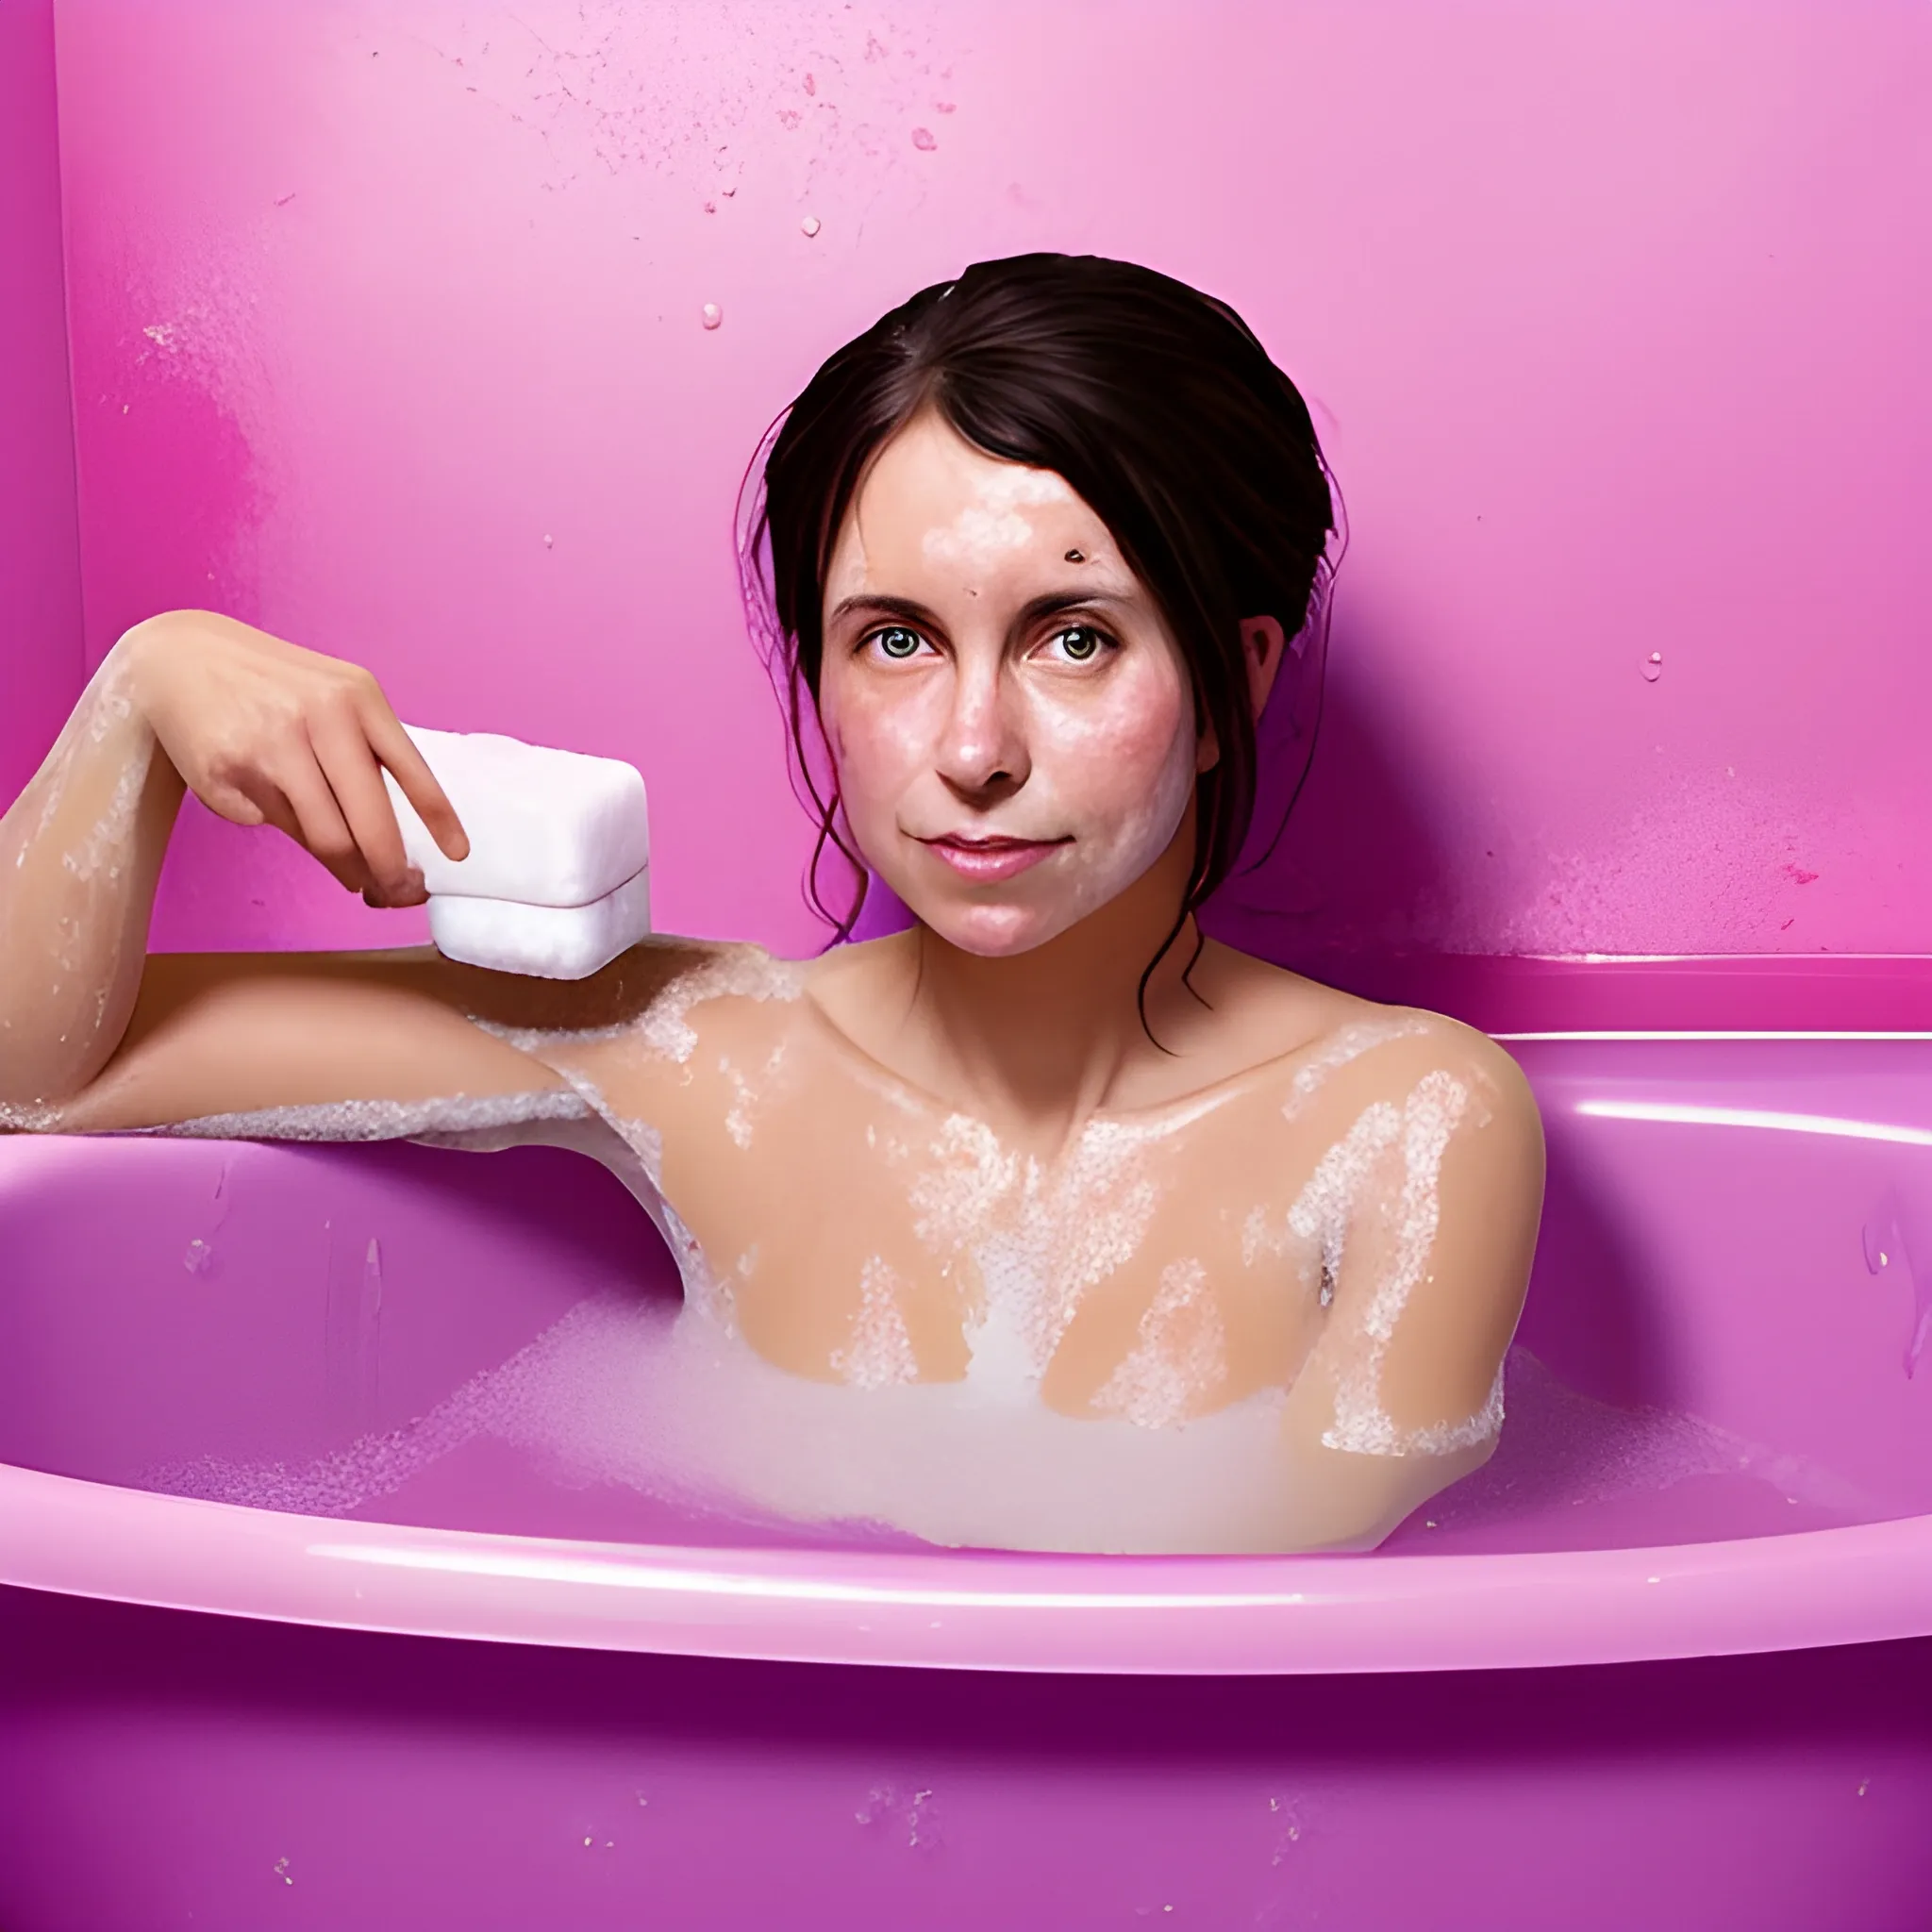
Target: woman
1039 546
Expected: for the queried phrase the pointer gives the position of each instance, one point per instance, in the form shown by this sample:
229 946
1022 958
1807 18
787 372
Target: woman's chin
991 932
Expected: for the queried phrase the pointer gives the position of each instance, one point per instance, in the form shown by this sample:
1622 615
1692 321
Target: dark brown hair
1158 407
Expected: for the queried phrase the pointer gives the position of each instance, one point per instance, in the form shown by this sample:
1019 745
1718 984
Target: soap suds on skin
1181 1353
87 897
1326 1205
741 973
455 1120
1336 1193
664 1027
881 1352
744 1095
1348 1044
984 531
111 834
1039 1238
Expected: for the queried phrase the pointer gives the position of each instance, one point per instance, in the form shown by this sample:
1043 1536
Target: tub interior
1720 1339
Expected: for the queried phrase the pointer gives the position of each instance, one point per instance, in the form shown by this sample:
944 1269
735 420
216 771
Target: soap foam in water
664 1402
660 1401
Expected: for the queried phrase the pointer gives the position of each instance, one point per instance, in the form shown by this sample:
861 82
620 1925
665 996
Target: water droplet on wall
809 226
199 1257
1653 667
1876 1238
923 141
713 315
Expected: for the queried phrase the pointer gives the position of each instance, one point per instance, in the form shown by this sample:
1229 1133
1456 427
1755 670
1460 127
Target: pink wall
39 557
386 334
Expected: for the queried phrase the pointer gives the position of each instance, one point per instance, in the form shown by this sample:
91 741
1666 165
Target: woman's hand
265 732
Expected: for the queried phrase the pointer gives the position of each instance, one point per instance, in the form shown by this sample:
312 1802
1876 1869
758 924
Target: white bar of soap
544 941
547 827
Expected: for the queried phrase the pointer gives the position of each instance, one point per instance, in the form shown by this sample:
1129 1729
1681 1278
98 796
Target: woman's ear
1263 644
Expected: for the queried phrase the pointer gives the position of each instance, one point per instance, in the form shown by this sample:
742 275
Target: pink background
39 557
1614 320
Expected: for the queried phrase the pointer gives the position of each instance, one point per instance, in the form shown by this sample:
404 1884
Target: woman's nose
982 750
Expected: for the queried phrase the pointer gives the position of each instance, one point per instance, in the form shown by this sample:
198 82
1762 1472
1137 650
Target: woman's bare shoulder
659 971
665 1004
1314 1039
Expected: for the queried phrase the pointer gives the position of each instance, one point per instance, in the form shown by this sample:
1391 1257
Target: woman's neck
1038 1041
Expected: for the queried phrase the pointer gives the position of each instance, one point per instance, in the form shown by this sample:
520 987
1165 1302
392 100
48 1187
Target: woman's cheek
1143 810
877 748
1116 766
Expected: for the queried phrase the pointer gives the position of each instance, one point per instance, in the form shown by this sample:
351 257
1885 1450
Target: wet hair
1158 406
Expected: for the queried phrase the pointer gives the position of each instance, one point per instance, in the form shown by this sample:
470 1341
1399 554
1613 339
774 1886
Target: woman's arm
1435 1210
94 1034
80 852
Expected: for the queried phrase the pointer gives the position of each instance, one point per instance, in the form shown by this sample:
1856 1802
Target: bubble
923 141
809 226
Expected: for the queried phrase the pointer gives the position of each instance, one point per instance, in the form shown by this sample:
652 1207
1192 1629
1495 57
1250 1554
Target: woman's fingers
319 821
354 778
393 746
264 731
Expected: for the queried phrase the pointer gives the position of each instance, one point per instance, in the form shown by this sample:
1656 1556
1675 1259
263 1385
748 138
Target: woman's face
1010 720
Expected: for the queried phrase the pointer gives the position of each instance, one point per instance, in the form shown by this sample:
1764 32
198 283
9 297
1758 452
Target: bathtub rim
1166 1616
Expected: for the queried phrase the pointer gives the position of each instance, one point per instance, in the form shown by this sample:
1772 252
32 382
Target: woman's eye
897 643
1078 643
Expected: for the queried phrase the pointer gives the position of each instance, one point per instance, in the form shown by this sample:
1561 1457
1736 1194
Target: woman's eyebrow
1054 602
907 608
910 610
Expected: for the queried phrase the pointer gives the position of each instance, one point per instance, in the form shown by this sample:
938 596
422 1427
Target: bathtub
1665 1663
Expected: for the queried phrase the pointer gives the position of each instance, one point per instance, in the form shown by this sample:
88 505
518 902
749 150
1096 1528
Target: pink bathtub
1667 1662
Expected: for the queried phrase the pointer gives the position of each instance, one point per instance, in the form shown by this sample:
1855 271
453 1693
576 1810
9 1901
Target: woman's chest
853 1232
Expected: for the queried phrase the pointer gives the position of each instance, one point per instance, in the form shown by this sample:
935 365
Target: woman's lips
987 862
